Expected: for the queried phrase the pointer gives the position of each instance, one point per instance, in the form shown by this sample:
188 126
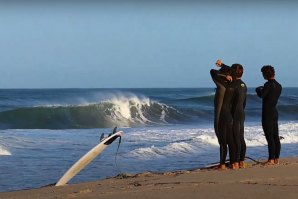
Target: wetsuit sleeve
220 75
217 76
224 67
263 91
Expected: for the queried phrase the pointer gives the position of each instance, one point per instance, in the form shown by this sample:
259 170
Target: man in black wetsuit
223 120
221 79
238 107
270 93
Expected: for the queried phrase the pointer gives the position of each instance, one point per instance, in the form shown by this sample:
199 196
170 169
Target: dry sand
256 181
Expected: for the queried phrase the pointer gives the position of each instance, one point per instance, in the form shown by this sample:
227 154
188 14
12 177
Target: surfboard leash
228 161
256 161
117 154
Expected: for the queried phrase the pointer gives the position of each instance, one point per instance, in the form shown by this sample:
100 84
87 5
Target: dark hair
238 68
268 71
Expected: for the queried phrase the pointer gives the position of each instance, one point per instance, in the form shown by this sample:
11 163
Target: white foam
172 149
163 116
208 140
174 142
289 132
3 151
254 135
167 142
123 106
132 109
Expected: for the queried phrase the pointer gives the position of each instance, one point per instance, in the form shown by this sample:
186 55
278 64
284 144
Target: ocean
44 131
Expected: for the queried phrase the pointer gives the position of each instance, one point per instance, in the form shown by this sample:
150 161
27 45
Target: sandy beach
256 181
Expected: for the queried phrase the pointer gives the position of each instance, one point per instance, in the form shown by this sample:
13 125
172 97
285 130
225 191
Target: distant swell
201 99
120 112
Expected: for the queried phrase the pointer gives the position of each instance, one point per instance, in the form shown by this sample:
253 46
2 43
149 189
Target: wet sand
256 181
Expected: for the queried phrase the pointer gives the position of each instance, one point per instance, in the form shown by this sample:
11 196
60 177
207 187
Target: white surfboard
87 158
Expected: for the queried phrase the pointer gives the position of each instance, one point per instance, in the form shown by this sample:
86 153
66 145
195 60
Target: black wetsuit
238 119
223 120
218 76
270 94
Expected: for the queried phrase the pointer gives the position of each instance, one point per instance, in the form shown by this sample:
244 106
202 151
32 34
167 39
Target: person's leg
237 143
276 142
242 146
223 156
236 133
222 145
218 99
231 144
268 131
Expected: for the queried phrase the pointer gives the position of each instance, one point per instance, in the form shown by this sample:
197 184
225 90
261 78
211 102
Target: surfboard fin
102 137
115 130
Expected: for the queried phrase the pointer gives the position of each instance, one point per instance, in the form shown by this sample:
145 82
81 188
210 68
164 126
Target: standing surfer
270 93
223 120
239 116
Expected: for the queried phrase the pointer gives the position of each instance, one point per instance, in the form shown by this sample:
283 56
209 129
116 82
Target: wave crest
118 111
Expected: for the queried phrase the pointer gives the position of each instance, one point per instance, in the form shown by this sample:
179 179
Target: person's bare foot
269 162
276 161
242 165
221 167
235 166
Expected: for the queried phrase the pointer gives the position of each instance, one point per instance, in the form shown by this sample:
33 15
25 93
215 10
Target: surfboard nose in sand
88 157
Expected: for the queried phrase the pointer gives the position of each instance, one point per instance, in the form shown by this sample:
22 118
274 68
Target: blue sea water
44 131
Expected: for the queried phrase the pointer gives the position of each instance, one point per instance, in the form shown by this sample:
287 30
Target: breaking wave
120 111
130 110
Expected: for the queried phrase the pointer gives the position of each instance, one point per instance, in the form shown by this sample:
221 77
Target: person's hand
218 63
229 78
258 89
